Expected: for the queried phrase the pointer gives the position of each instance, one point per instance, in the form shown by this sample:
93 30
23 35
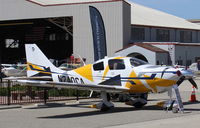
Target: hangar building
63 27
60 28
166 39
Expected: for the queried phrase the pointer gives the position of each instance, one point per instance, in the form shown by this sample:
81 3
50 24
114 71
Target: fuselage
132 73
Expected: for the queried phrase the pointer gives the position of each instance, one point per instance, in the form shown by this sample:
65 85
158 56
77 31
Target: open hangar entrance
53 35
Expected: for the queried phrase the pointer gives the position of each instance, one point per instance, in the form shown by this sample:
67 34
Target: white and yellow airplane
124 75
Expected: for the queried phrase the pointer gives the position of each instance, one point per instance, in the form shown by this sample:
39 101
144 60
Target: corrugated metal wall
126 23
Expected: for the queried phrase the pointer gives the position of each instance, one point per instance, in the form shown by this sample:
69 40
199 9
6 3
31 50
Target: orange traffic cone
193 95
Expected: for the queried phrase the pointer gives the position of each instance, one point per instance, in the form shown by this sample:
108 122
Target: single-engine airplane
124 75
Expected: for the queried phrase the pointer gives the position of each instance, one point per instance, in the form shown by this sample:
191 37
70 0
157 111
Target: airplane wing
107 88
7 65
45 78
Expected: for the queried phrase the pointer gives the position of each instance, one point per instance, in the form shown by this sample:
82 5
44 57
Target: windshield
137 62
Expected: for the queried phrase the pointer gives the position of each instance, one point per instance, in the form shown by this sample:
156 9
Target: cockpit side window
116 64
137 62
98 66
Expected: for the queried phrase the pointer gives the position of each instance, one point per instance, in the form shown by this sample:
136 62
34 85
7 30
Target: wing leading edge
107 88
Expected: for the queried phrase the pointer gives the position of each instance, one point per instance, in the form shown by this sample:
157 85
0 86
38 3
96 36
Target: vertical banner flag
99 35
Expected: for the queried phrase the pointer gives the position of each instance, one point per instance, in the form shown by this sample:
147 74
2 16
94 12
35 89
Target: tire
123 98
138 105
143 96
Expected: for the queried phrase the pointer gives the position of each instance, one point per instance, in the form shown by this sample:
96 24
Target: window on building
162 35
186 36
138 34
58 36
98 66
62 36
180 62
197 58
188 62
52 37
116 64
11 43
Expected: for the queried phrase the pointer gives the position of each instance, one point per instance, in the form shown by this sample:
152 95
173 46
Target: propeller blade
193 83
163 72
180 80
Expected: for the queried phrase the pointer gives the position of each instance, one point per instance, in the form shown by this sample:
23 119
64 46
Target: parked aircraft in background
194 68
68 66
14 70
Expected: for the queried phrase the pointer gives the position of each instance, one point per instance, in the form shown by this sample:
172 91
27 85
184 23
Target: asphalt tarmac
79 115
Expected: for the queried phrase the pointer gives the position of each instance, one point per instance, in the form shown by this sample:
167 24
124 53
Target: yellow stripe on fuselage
138 87
159 82
85 71
105 72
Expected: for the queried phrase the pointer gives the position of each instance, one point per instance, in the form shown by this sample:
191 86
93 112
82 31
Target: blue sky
188 9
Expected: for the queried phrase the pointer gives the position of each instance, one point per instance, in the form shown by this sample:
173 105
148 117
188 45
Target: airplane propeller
193 83
163 72
187 75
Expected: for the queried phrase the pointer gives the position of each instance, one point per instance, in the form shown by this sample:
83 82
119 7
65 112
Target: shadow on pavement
189 103
97 112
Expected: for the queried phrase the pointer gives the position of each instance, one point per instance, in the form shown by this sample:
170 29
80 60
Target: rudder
37 63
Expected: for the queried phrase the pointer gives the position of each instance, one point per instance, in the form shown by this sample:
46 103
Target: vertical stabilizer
38 64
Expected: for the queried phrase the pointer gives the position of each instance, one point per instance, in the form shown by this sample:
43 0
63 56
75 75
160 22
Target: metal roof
196 21
145 16
67 2
146 46
140 15
170 43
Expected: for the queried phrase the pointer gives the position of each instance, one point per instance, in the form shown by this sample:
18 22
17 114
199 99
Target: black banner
99 35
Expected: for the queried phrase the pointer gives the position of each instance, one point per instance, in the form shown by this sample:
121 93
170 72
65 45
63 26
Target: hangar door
53 35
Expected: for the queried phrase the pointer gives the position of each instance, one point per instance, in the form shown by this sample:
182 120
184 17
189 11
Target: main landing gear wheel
105 108
142 100
105 104
139 104
138 101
